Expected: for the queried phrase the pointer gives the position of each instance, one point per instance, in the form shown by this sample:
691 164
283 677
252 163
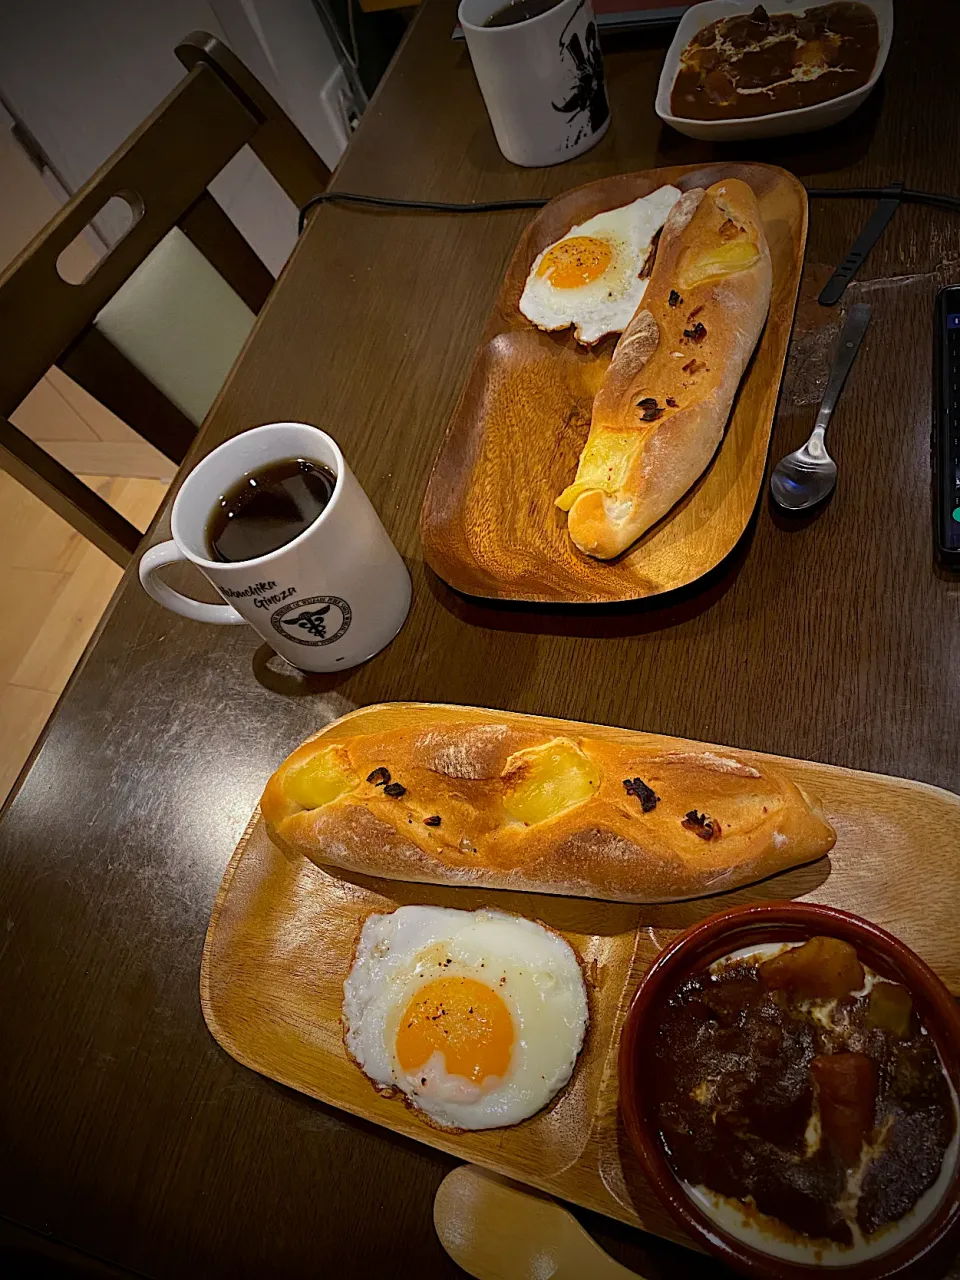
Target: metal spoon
806 476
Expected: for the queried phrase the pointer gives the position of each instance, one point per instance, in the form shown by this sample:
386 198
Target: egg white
544 991
606 304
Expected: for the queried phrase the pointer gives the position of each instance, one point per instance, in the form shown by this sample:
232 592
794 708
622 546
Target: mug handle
168 553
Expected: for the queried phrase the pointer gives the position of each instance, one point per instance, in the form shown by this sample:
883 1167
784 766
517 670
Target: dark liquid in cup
520 11
268 508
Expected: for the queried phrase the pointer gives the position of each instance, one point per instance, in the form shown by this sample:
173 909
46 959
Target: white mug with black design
327 600
541 77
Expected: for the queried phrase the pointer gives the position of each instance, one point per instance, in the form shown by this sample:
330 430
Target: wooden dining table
129 1141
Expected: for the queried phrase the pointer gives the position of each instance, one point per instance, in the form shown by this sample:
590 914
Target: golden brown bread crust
605 846
665 400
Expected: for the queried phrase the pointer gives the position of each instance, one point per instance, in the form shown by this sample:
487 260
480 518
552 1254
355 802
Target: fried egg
591 278
476 1016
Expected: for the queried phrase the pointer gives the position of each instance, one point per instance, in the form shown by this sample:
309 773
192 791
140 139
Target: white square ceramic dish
803 119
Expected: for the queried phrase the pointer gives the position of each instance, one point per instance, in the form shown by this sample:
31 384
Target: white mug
331 598
541 80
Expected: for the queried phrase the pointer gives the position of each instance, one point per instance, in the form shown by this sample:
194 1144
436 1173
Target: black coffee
268 508
519 11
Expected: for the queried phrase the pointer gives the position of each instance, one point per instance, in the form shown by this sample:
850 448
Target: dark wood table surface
125 1132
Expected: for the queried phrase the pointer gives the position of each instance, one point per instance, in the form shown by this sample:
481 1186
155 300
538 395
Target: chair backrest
162 171
278 142
180 323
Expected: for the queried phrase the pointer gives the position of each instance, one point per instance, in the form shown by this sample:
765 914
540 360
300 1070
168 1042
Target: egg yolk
464 1020
572 263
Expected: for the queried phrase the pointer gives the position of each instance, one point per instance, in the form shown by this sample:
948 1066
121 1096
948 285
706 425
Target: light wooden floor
55 586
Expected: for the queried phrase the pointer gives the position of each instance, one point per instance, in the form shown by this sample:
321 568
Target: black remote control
946 426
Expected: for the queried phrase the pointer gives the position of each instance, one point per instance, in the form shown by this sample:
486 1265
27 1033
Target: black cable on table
906 195
935 198
425 206
889 198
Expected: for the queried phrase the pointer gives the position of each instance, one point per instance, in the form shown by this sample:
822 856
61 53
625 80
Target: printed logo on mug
540 71
277 522
316 626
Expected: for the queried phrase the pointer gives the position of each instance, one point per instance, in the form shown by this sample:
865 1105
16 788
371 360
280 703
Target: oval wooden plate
489 525
282 932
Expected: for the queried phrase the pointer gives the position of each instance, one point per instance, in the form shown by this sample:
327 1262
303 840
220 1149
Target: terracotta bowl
699 947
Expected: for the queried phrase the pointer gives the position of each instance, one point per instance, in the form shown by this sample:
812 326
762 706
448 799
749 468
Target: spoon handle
854 327
496 1229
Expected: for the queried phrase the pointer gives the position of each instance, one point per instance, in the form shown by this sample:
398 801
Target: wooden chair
162 172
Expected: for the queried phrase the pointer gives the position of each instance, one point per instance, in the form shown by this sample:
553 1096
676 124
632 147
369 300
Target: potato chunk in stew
822 969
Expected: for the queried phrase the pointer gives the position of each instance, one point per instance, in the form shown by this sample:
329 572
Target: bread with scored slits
664 402
493 805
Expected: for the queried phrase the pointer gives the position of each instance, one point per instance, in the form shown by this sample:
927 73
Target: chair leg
60 489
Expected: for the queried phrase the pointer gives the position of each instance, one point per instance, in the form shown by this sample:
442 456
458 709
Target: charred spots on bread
650 410
674 300
696 334
693 366
647 269
671 403
702 826
637 788
433 821
379 777
394 790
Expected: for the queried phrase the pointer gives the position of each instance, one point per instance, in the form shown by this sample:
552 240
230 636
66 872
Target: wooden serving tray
281 938
489 525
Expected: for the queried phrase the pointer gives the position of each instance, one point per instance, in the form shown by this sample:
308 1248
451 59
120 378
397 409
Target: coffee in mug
276 521
268 508
519 11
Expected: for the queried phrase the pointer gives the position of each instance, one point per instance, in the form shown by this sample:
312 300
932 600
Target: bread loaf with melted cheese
499 805
664 402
